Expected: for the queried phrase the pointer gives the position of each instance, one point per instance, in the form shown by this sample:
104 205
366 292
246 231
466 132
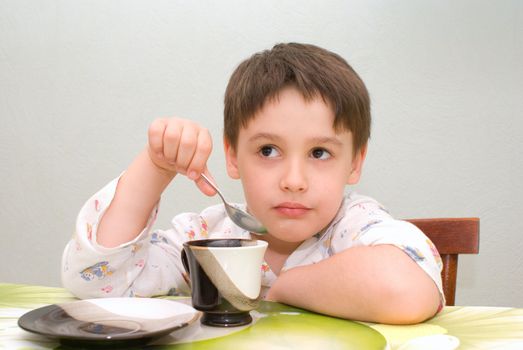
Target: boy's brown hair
312 71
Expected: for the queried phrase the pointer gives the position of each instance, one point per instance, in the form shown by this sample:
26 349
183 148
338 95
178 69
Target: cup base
226 319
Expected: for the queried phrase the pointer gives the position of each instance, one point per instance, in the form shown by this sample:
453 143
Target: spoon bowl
239 217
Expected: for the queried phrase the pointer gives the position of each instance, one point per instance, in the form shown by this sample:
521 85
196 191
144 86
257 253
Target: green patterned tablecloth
279 326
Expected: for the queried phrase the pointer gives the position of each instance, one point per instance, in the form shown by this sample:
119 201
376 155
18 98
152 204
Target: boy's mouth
291 209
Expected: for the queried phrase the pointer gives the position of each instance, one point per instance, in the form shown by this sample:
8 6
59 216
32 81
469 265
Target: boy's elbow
75 288
411 305
414 313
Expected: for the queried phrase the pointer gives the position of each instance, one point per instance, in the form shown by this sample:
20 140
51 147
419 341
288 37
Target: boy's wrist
159 166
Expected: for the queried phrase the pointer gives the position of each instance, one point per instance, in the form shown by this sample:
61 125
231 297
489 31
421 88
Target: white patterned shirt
150 264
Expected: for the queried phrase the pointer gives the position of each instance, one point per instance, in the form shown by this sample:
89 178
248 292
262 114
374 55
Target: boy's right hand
180 146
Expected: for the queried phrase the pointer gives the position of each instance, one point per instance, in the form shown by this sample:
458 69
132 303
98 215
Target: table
287 327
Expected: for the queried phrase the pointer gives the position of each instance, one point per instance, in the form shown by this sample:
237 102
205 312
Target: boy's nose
294 178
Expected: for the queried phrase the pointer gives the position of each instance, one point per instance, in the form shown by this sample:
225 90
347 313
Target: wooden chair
451 237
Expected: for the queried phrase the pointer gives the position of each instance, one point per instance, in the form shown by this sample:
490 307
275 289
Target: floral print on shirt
99 270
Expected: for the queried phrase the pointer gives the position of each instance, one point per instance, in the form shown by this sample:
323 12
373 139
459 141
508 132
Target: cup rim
259 243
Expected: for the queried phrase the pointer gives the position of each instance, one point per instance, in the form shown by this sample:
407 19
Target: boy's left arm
377 283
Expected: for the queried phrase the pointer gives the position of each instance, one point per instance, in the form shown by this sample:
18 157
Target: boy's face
294 166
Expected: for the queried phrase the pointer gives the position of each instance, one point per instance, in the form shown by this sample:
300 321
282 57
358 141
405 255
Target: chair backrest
451 237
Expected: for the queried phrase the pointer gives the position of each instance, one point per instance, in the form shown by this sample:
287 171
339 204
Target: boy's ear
231 160
357 165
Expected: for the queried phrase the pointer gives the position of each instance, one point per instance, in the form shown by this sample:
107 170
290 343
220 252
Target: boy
296 126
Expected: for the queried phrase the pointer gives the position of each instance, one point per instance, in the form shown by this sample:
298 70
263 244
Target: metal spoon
239 217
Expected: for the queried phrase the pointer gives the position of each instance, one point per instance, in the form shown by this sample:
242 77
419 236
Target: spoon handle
206 179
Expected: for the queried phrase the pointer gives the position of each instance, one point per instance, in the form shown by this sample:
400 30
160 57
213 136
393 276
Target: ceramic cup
225 277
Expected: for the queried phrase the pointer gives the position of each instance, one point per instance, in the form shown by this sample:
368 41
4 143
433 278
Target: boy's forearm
138 191
377 284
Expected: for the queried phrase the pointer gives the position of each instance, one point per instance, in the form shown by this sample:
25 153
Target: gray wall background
80 81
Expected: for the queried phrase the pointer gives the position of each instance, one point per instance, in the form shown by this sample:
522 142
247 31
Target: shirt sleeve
148 265
367 223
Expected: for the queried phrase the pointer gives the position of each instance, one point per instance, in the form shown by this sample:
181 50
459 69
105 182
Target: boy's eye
320 153
268 151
